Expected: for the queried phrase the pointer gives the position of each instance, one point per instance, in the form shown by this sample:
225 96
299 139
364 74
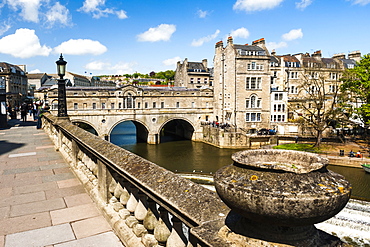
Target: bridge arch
86 125
142 130
177 128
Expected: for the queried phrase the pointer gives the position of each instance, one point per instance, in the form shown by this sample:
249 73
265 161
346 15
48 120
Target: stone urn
281 191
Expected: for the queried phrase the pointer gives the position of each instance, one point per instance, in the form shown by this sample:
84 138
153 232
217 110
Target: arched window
253 102
128 101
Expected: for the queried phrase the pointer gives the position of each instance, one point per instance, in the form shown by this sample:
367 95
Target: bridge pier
153 138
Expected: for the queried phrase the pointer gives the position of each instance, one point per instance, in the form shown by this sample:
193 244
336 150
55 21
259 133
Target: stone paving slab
37 207
90 227
76 200
24 223
74 213
42 203
21 199
41 237
104 239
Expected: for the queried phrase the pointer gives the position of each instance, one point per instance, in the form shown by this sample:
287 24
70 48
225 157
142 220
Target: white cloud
293 34
35 71
97 66
80 47
273 45
256 5
4 28
241 32
58 13
29 8
202 14
24 43
201 41
121 14
303 4
154 34
360 2
118 69
96 8
171 61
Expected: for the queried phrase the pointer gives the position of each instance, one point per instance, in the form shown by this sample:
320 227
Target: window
278 96
193 105
253 117
94 105
191 80
253 102
293 89
293 74
253 82
75 106
146 105
162 104
205 80
120 105
333 76
128 101
138 105
154 104
177 104
112 105
255 66
198 80
102 105
333 88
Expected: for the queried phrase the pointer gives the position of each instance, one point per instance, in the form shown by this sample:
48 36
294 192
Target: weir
145 204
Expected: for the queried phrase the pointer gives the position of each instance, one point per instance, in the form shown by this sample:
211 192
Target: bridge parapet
147 205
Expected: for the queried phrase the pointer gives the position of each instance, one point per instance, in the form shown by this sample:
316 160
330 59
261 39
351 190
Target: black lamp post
62 101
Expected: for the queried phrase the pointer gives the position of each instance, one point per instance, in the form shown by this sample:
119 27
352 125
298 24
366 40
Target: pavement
42 203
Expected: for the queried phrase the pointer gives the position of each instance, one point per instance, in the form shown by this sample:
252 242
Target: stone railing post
104 179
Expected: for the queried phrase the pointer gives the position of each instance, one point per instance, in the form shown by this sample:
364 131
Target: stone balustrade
146 204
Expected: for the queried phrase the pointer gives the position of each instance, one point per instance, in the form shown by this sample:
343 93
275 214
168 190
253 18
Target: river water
188 156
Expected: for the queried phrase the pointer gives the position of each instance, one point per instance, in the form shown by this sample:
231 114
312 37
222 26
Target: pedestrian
40 112
24 112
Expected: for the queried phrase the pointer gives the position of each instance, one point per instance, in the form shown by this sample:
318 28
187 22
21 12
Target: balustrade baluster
163 230
177 237
133 200
152 216
140 213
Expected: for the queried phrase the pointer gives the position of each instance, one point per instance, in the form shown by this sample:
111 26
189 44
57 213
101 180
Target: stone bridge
154 111
149 123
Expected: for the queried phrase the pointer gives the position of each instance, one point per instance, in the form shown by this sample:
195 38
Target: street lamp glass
61 66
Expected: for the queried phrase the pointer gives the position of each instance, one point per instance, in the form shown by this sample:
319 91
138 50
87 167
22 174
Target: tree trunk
318 138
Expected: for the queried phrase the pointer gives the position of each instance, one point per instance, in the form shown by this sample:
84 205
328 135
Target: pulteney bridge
155 111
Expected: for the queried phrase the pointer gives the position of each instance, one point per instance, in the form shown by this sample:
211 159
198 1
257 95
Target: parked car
266 132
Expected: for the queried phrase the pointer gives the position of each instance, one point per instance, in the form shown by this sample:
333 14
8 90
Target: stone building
242 85
14 80
193 74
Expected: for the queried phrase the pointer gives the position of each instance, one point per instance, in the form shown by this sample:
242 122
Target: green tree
168 75
356 90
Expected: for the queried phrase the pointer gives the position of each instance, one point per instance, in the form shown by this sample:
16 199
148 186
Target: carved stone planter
281 191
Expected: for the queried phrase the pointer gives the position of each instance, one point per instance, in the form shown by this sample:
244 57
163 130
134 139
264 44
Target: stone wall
146 205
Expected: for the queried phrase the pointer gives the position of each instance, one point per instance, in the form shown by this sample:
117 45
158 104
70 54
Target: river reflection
188 156
359 179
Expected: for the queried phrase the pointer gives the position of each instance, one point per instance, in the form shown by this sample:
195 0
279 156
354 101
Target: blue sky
118 37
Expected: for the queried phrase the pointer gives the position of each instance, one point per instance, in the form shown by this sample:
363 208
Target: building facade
193 74
14 80
242 85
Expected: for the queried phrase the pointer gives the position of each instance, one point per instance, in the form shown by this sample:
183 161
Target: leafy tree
168 75
356 88
317 105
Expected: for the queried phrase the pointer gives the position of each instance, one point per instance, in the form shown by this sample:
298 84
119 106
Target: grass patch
299 147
